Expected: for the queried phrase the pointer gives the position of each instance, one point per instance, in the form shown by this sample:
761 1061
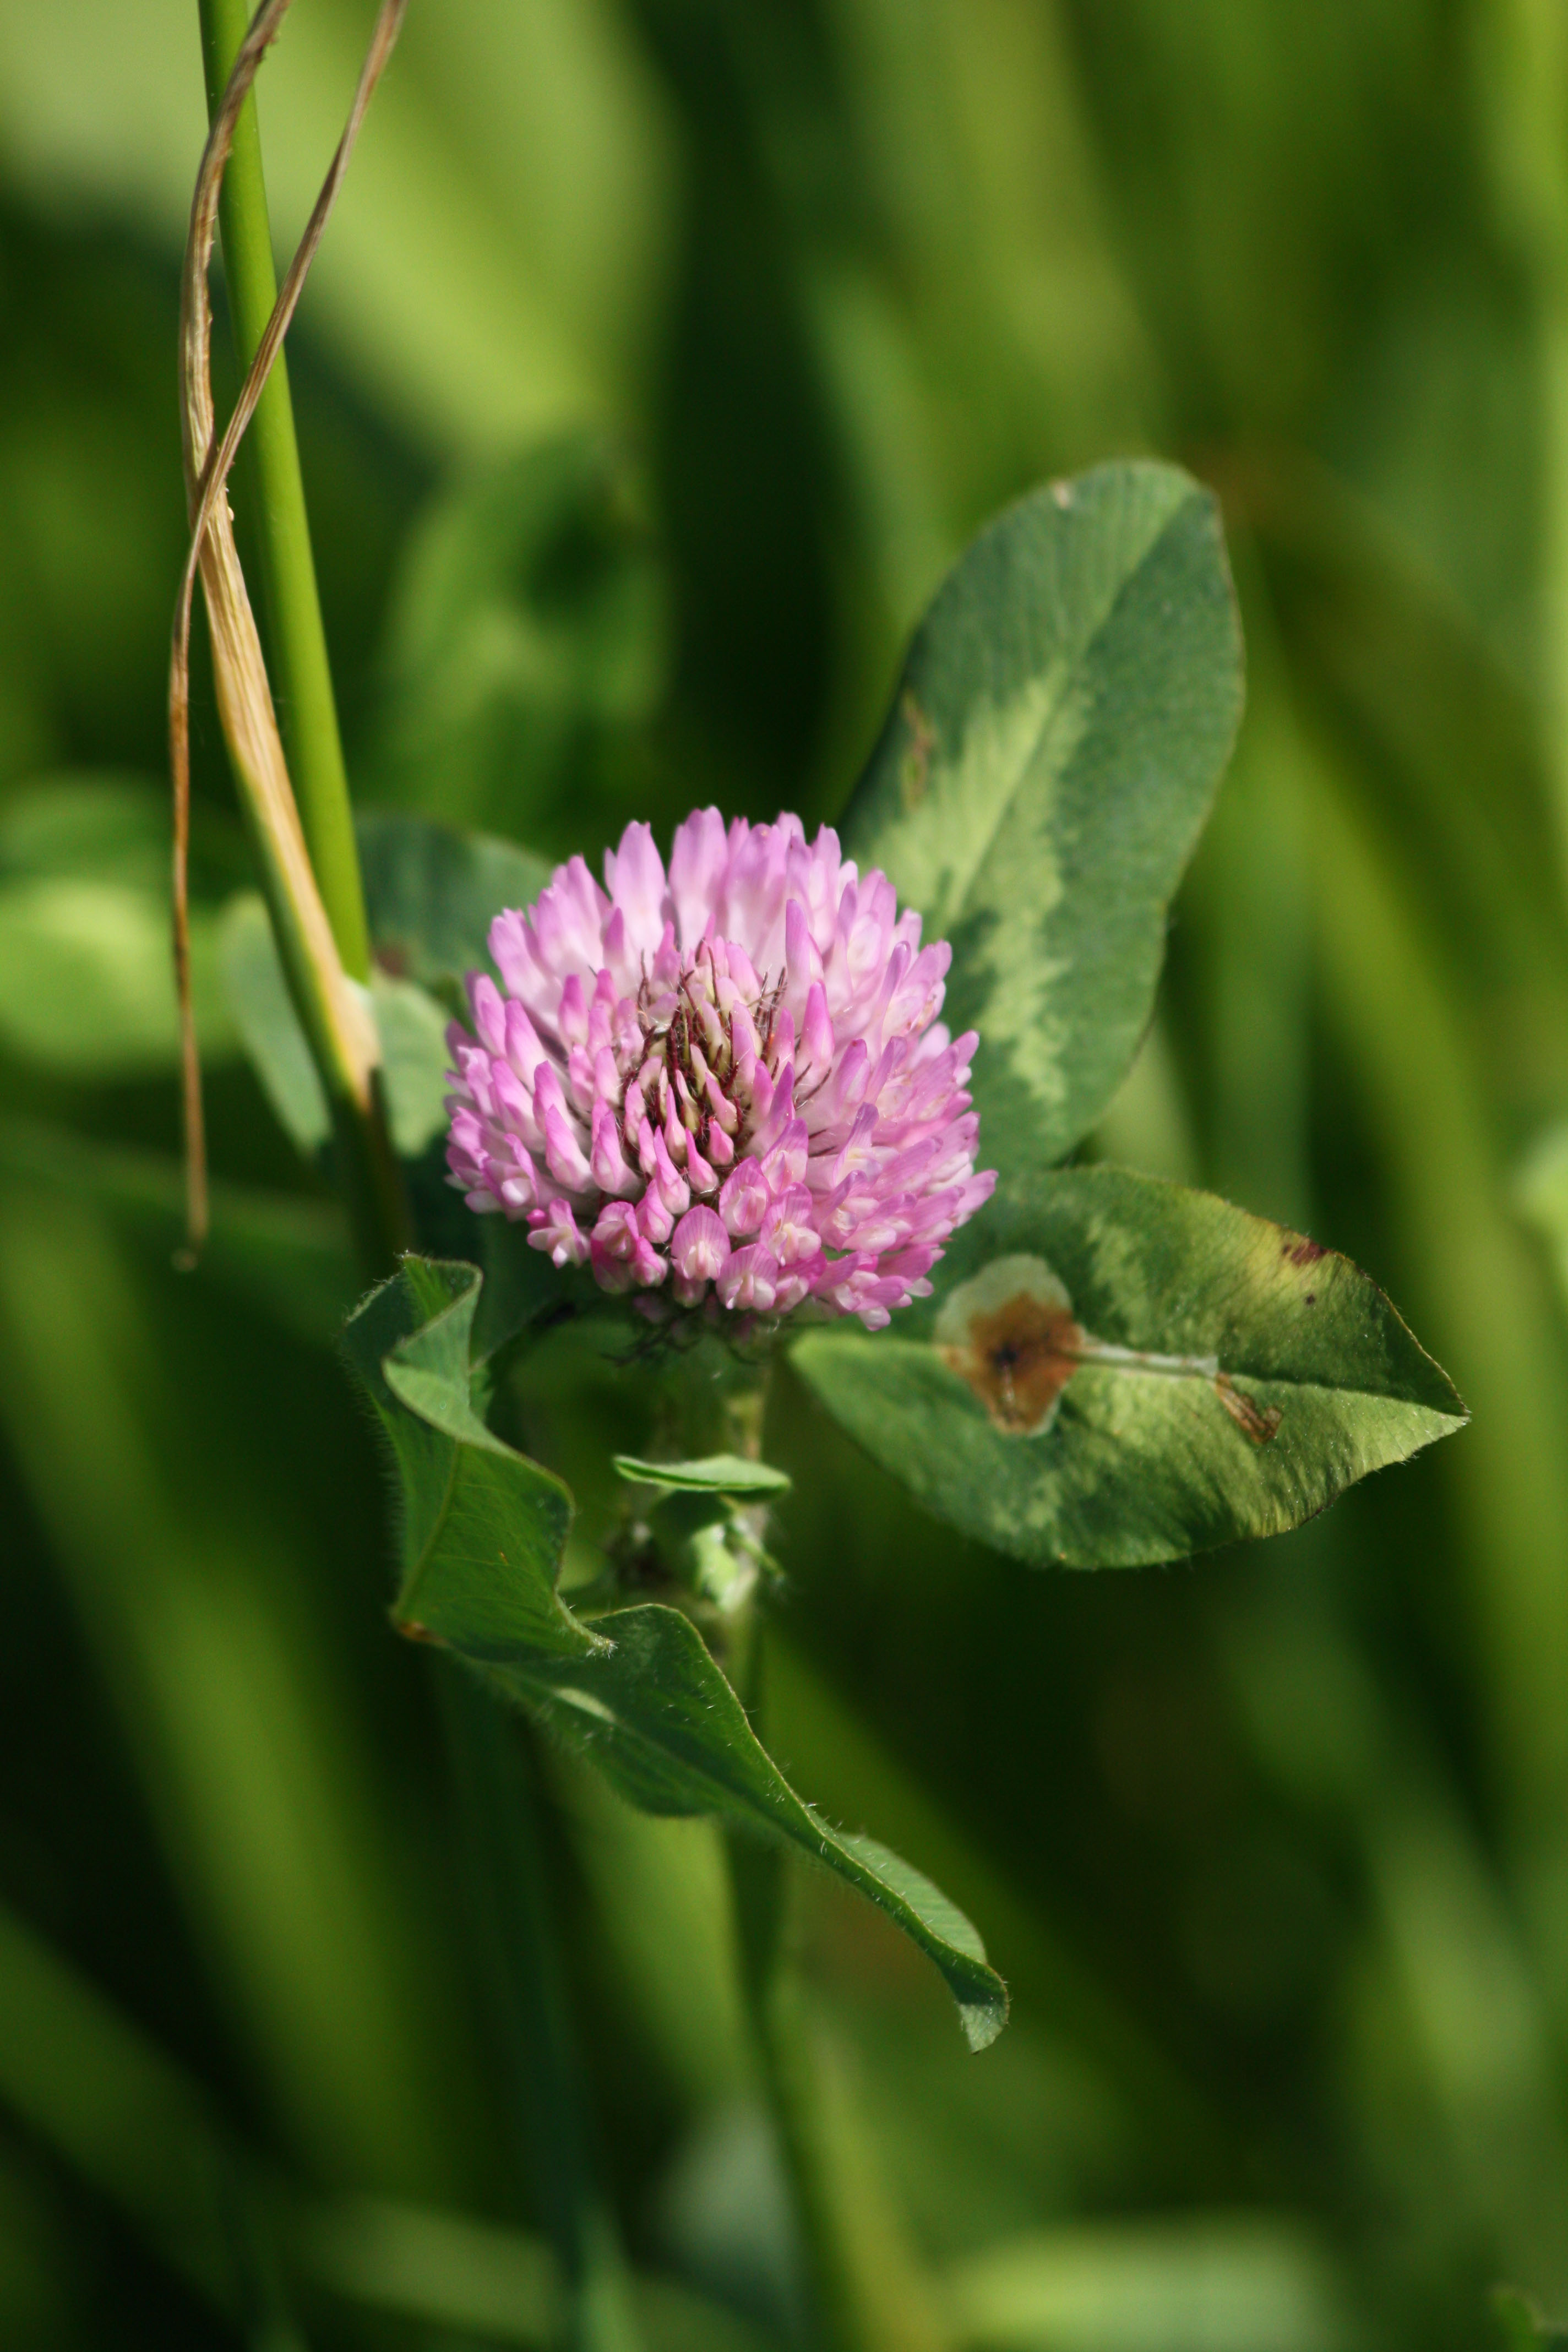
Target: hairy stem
307 709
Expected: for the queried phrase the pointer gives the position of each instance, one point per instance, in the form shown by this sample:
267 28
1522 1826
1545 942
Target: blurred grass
727 324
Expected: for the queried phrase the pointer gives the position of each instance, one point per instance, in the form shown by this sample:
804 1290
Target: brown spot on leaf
1011 1334
1259 1422
1019 1361
915 772
1302 1251
412 1631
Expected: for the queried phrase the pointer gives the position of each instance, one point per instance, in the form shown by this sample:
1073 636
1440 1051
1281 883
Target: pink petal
750 1280
697 862
633 875
701 1247
743 1201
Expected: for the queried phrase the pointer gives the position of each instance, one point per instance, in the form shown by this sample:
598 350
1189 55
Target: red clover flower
728 1078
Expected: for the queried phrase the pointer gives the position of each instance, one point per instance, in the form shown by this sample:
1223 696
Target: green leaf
415 1064
658 1719
716 1473
411 1025
432 894
698 1523
1122 1371
269 1027
483 1527
637 1691
1067 706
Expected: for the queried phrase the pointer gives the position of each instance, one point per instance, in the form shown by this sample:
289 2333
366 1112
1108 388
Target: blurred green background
661 355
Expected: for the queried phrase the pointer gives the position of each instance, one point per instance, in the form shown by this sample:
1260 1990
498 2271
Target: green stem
307 709
365 1164
865 2286
368 1176
709 1402
759 1877
499 1805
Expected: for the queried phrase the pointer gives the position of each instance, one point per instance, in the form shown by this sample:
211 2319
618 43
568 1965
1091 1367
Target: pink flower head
727 1078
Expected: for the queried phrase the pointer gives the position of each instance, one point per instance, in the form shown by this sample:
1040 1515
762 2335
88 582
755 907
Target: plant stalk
307 706
866 2290
325 982
759 1877
865 2294
499 1801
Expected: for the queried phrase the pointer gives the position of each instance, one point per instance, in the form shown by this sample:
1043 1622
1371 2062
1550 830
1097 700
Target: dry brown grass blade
245 698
